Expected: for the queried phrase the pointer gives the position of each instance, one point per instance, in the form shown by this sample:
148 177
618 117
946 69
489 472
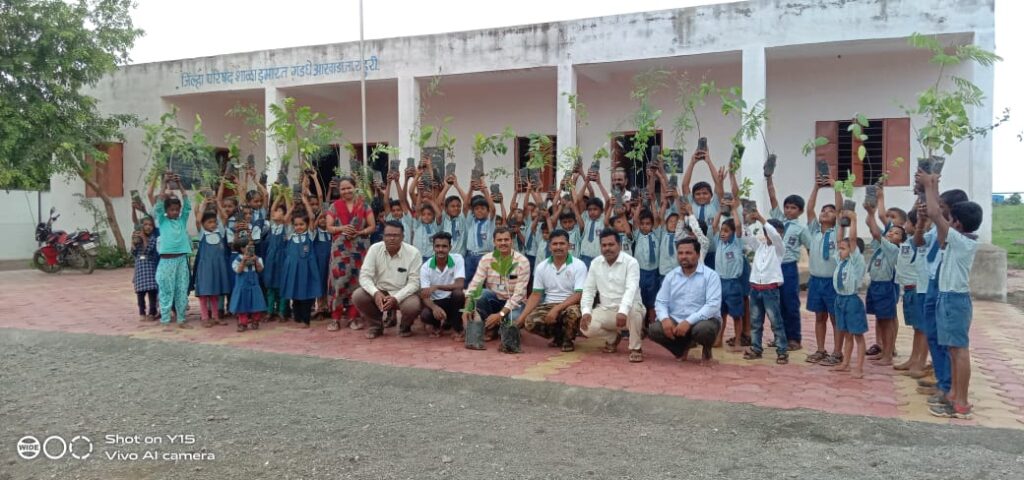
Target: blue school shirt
456 227
906 264
667 251
729 258
646 250
882 266
929 256
422 236
479 234
574 239
794 236
957 259
849 273
590 240
822 254
173 233
706 213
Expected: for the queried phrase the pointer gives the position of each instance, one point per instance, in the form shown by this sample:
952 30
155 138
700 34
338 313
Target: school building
815 63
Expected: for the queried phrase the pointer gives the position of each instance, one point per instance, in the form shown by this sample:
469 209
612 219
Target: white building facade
815 63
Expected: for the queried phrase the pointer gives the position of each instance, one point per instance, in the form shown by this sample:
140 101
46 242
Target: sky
195 28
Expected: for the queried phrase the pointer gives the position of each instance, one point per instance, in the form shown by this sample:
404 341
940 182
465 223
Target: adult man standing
553 310
689 305
503 274
388 281
441 288
616 277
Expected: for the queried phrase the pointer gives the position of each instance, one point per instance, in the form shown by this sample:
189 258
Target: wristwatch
502 313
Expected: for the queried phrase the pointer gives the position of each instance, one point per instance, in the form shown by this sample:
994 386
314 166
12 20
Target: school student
821 292
766 279
795 238
851 318
954 311
729 267
646 252
174 246
881 295
907 279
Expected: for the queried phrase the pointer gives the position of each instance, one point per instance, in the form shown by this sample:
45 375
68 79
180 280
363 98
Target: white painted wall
18 219
804 90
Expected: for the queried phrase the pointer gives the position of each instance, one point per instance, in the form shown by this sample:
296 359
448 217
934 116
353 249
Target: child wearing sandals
851 318
247 301
144 279
766 279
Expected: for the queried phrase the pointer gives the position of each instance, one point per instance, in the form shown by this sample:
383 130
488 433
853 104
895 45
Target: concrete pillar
408 117
566 116
271 96
980 154
754 90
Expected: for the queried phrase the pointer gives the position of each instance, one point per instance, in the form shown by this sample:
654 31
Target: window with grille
888 139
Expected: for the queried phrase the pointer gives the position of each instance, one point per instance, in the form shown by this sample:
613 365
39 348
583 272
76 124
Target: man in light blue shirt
688 306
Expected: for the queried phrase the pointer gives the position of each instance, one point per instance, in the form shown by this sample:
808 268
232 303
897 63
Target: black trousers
141 298
452 307
302 310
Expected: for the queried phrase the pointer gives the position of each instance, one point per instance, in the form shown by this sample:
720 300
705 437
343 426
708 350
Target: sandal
458 337
731 341
752 355
745 341
333 326
830 361
636 356
356 324
255 325
554 343
405 332
241 328
612 347
874 350
568 347
817 356
782 359
373 334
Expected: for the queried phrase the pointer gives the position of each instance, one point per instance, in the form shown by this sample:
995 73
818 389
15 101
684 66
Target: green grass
1007 228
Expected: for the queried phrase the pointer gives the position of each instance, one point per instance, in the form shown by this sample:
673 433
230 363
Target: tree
51 51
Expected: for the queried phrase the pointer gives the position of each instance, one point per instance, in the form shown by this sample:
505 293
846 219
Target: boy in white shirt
765 287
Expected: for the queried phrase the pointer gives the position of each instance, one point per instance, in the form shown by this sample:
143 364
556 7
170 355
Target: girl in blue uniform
273 260
301 281
322 247
213 278
247 301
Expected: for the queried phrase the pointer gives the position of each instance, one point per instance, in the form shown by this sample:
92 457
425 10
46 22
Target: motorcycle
60 249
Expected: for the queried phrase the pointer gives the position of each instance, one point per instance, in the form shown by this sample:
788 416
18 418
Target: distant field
1007 228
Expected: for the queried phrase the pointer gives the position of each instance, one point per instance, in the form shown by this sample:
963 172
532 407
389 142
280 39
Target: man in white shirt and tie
616 276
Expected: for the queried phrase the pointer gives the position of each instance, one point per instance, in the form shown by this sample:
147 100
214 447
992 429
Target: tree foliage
52 51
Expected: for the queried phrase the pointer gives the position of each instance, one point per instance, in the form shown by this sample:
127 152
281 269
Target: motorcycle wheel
80 260
39 261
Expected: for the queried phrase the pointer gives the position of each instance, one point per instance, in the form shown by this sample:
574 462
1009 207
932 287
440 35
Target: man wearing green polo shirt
553 309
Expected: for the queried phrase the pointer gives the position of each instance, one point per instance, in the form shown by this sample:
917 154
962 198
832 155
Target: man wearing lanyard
503 292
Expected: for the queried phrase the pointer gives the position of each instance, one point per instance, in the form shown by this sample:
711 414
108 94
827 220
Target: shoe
793 346
963 412
751 355
391 320
926 382
938 399
816 357
941 411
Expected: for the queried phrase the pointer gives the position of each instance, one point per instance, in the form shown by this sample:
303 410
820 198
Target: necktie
650 249
455 231
479 233
700 215
842 267
914 258
590 234
874 256
933 252
430 229
671 243
529 243
785 227
826 250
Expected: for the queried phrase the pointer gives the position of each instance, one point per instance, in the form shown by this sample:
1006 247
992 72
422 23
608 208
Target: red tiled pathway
104 304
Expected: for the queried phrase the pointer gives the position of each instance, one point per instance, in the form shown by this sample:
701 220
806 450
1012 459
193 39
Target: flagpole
362 82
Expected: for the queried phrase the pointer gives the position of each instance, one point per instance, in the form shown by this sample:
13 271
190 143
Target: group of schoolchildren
922 256
247 263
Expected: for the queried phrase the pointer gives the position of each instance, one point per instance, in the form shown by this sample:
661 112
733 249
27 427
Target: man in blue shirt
688 306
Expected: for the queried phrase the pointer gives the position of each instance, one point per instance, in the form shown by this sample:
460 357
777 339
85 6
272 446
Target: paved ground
268 415
103 303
